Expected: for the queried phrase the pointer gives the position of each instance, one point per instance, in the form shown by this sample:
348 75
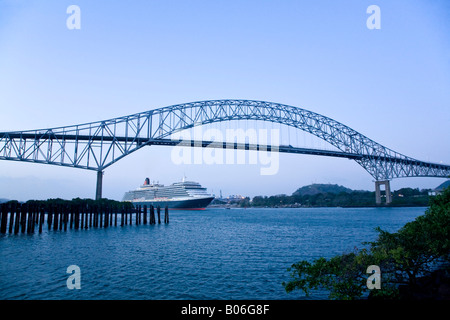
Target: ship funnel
147 182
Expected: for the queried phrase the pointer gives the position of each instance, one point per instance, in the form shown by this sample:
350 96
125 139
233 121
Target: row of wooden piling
25 218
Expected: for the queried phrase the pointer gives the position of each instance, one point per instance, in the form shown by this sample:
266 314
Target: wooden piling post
41 218
99 217
74 214
17 219
151 210
159 215
158 210
55 218
68 217
22 218
94 216
28 219
145 214
86 217
61 217
90 216
77 217
166 214
71 215
98 210
82 217
30 222
33 217
65 210
62 224
131 215
4 218
106 216
11 217
36 214
49 216
138 211
152 214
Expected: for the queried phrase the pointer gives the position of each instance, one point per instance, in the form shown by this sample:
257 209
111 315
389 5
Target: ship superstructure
179 195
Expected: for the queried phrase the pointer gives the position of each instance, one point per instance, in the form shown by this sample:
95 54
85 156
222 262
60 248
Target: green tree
402 256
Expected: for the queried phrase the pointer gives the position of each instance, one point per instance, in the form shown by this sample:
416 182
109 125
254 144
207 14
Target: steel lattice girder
97 145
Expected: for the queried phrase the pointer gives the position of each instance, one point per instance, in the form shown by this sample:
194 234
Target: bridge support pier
387 188
98 193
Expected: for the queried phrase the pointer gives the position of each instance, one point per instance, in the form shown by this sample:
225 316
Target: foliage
323 195
74 202
403 257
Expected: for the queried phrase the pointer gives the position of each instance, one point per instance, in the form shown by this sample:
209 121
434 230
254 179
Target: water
212 254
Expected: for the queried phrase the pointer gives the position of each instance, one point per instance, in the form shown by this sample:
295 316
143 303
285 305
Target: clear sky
390 84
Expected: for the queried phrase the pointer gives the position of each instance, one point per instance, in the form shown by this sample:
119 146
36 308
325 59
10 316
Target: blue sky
391 84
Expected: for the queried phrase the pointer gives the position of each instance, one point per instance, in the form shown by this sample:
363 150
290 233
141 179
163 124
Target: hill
442 186
316 188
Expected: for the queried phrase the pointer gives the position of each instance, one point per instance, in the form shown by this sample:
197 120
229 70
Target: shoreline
304 207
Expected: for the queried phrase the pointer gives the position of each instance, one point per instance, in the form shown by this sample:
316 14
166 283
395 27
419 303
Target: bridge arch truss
97 145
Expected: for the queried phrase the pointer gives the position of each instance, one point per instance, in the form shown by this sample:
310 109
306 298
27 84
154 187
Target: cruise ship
184 195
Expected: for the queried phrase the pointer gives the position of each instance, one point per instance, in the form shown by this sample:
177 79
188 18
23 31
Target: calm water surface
211 254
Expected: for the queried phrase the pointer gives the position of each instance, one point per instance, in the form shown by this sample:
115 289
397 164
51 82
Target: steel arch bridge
97 145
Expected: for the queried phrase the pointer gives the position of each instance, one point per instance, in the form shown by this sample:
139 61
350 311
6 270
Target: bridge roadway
224 145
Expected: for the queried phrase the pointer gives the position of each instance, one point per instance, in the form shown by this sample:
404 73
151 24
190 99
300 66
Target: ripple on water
214 254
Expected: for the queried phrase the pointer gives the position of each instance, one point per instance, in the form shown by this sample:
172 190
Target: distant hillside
3 200
442 186
317 188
